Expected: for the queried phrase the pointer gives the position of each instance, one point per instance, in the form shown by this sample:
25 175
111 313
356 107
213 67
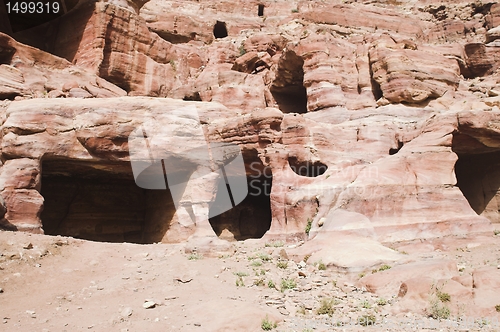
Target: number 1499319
32 7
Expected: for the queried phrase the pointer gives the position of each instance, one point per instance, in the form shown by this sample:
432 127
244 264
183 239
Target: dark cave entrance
252 217
307 168
101 202
260 10
288 88
478 175
220 30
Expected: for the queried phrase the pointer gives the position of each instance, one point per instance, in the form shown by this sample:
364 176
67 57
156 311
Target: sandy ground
64 284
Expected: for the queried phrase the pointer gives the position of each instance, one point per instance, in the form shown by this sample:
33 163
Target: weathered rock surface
368 120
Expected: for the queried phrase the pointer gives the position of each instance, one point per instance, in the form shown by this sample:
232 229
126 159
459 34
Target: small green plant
366 320
240 282
267 325
439 310
242 50
295 10
271 284
384 267
194 257
264 257
308 225
361 275
257 263
306 257
288 283
262 272
365 304
259 282
443 297
302 310
497 307
275 244
282 265
173 64
241 274
381 301
326 307
321 266
307 329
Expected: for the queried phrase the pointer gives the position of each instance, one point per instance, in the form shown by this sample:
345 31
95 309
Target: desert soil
64 284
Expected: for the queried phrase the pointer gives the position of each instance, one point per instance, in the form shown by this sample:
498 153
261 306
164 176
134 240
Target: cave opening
220 30
101 202
307 168
393 151
252 217
478 175
288 88
260 10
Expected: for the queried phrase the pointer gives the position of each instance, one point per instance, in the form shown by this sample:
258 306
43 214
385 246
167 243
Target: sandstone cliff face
368 119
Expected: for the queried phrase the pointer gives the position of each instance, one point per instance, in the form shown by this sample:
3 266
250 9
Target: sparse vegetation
321 266
308 225
288 283
268 325
381 301
326 307
241 274
295 10
366 320
271 284
240 282
194 256
439 310
306 257
384 267
361 275
497 307
259 282
275 244
282 264
365 304
443 297
257 263
264 257
242 50
173 64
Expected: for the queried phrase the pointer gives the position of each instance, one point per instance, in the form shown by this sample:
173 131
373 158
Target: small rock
302 274
283 254
126 312
197 324
28 246
1 290
149 305
321 222
301 264
31 313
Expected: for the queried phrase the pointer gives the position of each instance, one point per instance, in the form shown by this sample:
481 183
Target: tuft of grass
271 284
240 282
321 266
365 304
241 274
282 265
308 225
275 244
288 283
326 307
361 275
194 257
295 10
256 263
497 307
367 320
443 297
260 282
382 301
264 257
384 267
439 310
268 325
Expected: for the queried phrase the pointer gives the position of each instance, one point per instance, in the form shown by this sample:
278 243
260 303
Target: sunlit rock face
370 120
